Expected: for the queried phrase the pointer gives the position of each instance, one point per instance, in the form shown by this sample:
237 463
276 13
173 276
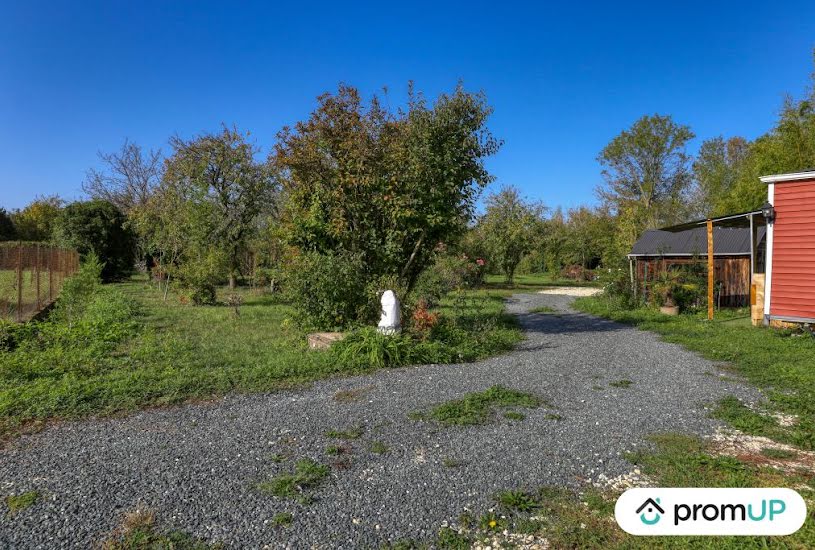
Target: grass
479 407
15 503
379 448
552 416
283 519
307 475
131 349
780 362
778 454
625 383
139 532
448 462
514 415
543 309
530 282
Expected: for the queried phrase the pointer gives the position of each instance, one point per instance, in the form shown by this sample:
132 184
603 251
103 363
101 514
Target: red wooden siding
793 271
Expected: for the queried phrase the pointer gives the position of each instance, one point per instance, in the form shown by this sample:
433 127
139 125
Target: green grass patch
307 475
530 282
516 500
553 416
780 362
543 309
778 454
283 519
514 415
15 503
139 532
351 433
480 407
378 447
621 383
129 348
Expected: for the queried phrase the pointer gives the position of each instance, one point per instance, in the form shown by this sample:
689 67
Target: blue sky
78 77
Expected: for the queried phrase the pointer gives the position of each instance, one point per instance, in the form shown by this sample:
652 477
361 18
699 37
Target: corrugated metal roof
727 241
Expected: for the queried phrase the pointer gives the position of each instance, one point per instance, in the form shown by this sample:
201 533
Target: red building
789 294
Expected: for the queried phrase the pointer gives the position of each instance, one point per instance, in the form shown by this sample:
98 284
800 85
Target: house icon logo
650 506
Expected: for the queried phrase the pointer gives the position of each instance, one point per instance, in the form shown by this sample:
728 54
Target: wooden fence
31 276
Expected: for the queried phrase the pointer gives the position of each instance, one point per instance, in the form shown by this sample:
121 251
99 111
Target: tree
386 185
508 228
7 230
97 227
646 172
220 190
127 178
589 236
35 221
716 170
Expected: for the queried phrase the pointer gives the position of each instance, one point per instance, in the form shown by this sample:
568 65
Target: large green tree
216 190
716 170
35 222
647 168
7 230
508 228
387 185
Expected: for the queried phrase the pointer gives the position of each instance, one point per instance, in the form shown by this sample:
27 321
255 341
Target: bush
330 291
77 290
368 348
577 273
448 273
200 277
97 227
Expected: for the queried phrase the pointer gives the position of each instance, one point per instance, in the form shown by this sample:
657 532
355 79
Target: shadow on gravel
566 323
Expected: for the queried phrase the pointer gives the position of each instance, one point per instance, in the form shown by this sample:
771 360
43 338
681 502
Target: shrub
577 273
78 289
449 272
97 227
368 348
200 277
330 291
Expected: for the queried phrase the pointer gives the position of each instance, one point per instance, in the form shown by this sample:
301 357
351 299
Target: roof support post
710 268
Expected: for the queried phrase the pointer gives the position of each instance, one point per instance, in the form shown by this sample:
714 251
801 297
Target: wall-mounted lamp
768 212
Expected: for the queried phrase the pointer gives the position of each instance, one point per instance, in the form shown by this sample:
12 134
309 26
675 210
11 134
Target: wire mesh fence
31 276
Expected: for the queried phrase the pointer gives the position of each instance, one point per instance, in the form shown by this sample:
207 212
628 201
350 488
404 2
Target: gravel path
196 464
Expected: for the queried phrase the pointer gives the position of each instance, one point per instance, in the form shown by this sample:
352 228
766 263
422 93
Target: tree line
359 197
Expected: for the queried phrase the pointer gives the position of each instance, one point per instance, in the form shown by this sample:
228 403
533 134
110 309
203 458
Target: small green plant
283 519
377 447
15 503
543 309
138 531
278 458
351 433
448 462
778 454
450 539
553 416
517 500
478 407
334 450
368 348
625 383
307 475
492 522
514 415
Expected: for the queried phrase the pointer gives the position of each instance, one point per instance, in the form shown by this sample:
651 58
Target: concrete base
323 340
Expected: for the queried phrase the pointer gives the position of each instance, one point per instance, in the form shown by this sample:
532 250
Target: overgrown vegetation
480 407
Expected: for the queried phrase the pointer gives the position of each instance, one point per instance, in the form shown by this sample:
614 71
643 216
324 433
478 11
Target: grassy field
8 293
532 281
131 349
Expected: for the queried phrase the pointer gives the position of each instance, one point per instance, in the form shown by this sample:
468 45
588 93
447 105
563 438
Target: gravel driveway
196 465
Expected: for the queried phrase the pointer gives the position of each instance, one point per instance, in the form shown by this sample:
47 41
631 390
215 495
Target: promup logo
710 511
653 507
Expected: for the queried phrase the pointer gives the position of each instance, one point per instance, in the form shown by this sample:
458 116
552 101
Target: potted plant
665 288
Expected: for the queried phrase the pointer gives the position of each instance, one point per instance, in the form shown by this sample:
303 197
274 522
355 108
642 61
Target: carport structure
753 220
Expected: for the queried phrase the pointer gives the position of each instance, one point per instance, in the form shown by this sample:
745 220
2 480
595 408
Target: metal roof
727 241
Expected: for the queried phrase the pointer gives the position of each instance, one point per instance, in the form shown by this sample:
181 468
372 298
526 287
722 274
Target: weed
15 503
278 458
597 388
448 462
517 500
624 383
449 539
352 433
283 519
543 309
514 415
354 394
478 407
307 475
377 447
138 531
334 450
553 416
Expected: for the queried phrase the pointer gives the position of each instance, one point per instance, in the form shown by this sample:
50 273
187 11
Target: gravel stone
196 465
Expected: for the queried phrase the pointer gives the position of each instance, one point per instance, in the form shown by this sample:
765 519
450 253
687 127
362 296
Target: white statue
390 321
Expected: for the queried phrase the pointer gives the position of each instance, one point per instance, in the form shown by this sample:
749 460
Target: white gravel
196 465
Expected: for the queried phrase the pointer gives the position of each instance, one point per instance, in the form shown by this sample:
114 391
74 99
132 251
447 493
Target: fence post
20 280
50 275
37 272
